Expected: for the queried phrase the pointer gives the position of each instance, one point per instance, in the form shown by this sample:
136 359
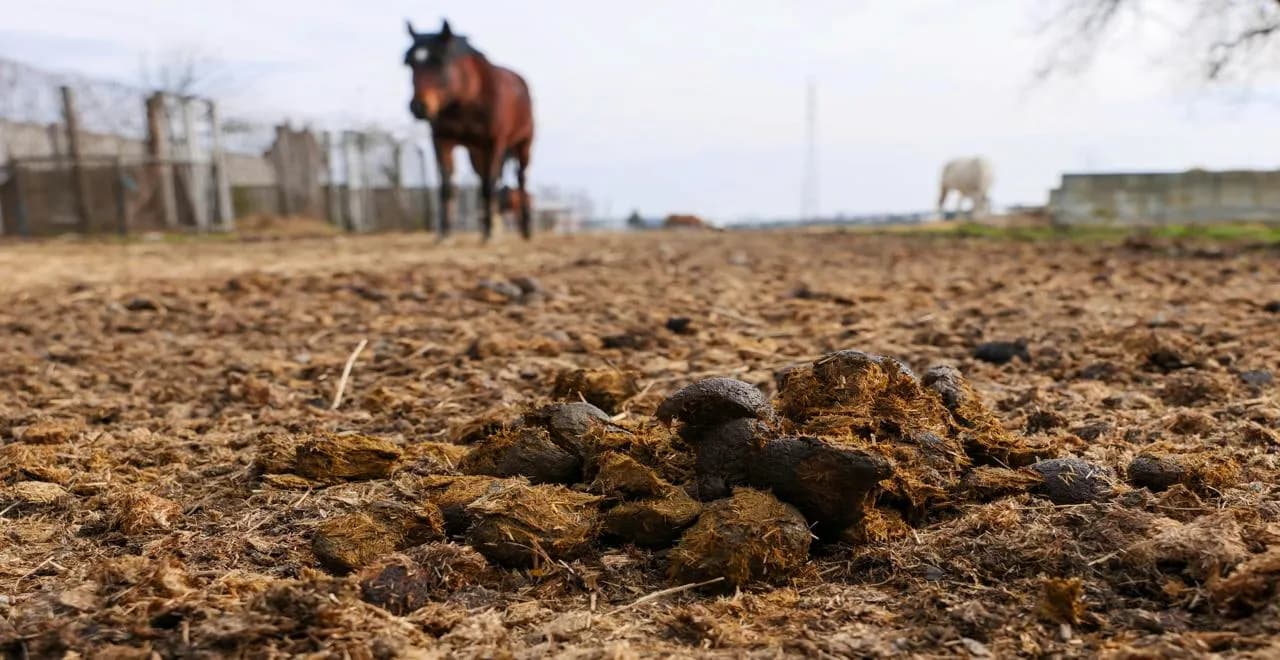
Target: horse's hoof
444 239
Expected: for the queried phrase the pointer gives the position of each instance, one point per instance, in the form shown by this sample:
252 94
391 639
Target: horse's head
440 75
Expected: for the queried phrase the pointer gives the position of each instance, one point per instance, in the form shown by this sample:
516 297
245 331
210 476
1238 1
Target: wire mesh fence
85 155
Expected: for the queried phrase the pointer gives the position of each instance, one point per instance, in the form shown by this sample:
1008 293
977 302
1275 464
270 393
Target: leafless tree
184 71
1227 39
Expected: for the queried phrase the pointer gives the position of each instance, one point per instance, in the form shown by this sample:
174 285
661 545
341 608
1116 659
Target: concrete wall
27 140
1196 196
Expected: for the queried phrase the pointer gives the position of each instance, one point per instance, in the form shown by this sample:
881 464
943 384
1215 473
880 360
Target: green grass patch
1217 232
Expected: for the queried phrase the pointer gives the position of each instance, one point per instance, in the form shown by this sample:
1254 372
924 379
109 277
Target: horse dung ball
831 485
1073 481
454 494
723 456
654 522
348 542
524 526
523 452
745 538
404 582
606 389
347 457
714 401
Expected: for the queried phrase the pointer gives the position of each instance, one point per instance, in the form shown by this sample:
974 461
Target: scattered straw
664 592
346 374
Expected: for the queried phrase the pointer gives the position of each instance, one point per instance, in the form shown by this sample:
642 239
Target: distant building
1160 198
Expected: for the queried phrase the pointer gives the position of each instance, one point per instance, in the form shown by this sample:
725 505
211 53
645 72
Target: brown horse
511 200
472 103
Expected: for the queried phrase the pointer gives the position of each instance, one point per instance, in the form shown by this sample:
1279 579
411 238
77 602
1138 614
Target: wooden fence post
348 165
199 179
397 183
221 177
158 148
333 203
79 188
428 200
280 162
4 174
55 142
366 190
122 205
19 201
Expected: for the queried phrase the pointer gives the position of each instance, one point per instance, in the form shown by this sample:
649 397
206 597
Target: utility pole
809 194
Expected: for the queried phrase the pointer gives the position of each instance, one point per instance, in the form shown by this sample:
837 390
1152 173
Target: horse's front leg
444 163
526 212
488 165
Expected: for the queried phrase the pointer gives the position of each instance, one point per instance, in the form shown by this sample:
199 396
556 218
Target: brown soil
170 464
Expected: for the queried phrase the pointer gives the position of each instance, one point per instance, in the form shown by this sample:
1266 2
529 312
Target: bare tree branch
184 71
1232 37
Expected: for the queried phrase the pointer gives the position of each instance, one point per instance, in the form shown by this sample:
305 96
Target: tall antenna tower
809 194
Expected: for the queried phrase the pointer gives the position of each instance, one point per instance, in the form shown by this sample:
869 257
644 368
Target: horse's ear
409 24
445 30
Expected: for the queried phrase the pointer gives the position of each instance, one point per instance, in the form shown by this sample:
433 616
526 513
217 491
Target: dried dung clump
549 444
346 457
876 404
985 439
1074 481
723 455
877 525
647 510
50 432
454 494
135 511
622 477
1198 471
433 457
747 537
1251 586
523 526
523 452
856 430
714 401
348 542
652 522
985 483
607 389
722 418
830 484
403 583
572 425
33 494
1198 550
23 462
277 453
1062 600
857 391
649 443
1002 352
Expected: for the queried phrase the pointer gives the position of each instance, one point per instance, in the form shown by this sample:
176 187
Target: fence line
85 155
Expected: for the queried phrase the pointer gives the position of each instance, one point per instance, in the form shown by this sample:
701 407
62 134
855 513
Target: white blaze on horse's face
420 55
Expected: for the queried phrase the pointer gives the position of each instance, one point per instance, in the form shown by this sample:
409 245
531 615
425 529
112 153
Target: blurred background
745 112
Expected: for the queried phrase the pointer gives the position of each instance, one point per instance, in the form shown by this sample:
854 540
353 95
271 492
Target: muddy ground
142 387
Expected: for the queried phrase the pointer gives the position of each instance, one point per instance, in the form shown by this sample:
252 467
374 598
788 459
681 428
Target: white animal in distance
971 178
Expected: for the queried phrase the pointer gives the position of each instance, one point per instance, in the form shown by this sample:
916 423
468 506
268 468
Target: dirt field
174 482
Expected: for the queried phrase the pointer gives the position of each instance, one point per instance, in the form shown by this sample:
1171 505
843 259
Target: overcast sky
679 106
